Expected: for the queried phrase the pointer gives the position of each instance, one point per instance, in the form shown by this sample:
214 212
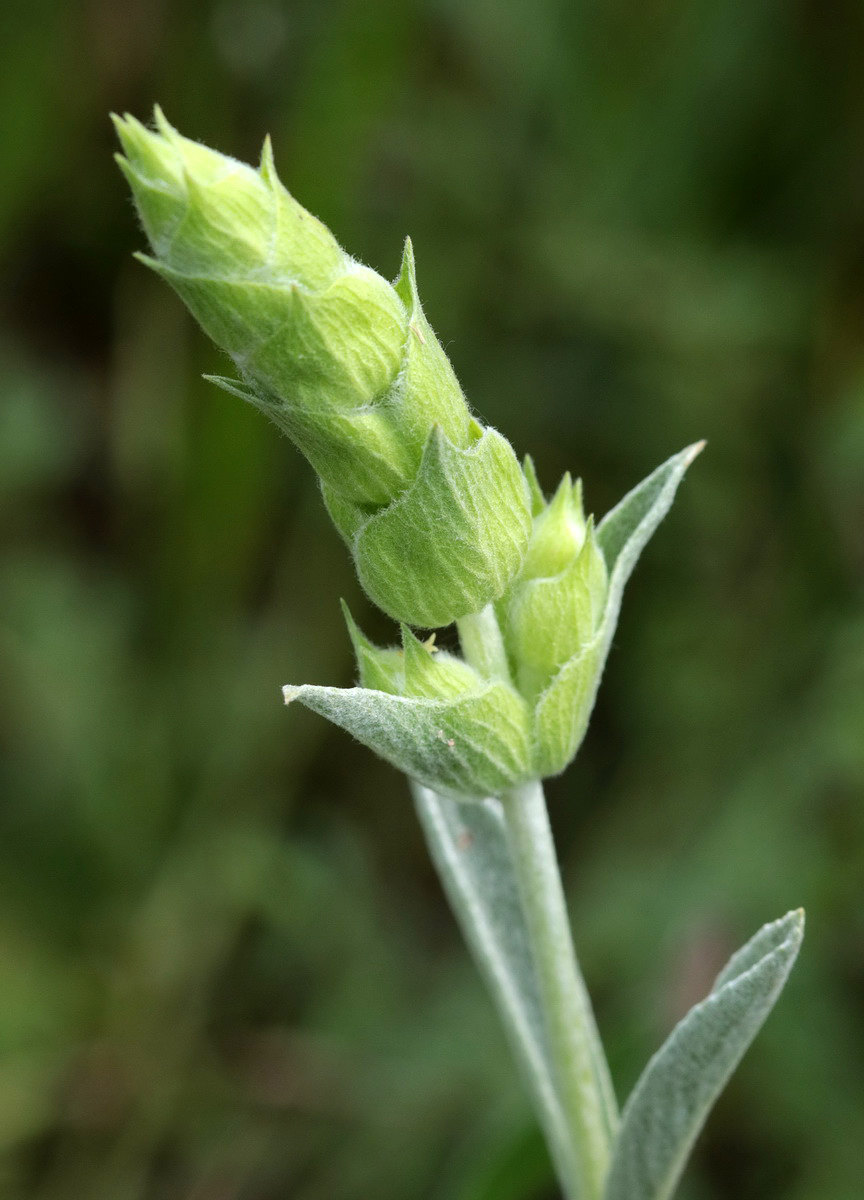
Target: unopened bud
555 606
347 365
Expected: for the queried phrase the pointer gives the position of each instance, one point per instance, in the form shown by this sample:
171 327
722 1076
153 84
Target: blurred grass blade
469 848
681 1082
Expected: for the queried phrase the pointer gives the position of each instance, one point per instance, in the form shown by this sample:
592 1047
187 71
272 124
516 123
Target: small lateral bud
555 606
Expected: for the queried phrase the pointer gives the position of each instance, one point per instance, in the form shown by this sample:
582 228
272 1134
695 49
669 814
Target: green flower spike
434 507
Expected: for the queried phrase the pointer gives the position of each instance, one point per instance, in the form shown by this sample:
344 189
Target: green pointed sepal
452 541
426 391
562 711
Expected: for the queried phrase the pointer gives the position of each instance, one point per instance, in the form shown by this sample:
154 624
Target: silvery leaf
669 1104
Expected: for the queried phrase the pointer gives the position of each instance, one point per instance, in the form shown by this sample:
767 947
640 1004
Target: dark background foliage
226 969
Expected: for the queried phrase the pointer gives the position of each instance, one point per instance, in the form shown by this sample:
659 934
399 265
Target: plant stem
483 644
582 1074
468 845
574 1048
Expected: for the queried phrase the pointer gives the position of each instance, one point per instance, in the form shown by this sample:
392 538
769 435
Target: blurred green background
226 969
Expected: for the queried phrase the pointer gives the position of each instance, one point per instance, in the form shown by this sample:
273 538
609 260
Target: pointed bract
379 668
448 545
431 715
475 745
538 500
434 674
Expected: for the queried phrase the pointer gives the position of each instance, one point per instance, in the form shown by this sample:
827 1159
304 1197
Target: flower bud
347 365
556 604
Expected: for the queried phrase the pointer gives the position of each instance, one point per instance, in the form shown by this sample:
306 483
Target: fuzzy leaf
468 844
476 744
681 1082
625 531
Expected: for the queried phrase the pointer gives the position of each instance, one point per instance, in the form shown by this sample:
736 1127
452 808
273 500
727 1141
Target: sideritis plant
446 525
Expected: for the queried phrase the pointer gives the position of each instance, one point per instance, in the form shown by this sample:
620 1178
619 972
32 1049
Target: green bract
434 508
453 729
450 543
431 715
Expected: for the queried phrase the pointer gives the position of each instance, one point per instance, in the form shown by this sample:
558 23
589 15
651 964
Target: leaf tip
289 693
792 925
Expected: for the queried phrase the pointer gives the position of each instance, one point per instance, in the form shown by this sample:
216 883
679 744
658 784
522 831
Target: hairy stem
468 844
483 644
575 1050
